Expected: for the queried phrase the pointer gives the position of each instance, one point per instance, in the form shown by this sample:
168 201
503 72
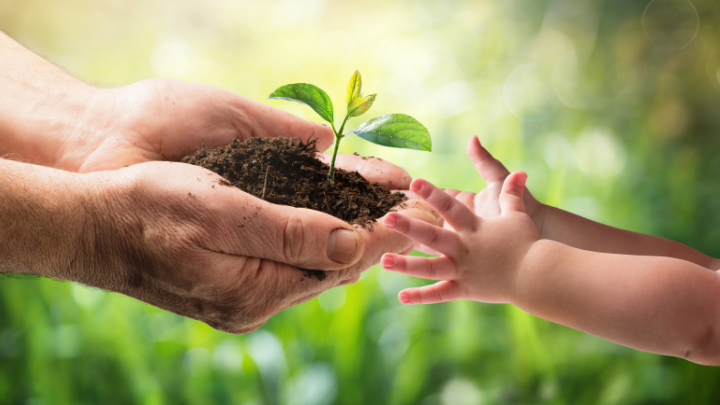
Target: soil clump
287 171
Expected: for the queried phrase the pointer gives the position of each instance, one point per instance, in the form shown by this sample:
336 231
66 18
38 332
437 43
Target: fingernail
342 244
390 220
404 297
521 179
416 185
388 262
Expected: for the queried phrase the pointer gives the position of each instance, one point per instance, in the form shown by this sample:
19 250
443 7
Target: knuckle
431 237
438 295
446 204
430 270
403 224
293 243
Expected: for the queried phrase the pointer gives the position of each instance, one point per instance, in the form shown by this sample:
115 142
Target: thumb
489 168
270 122
304 238
512 192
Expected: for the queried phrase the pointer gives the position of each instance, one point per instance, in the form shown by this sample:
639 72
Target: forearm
42 220
582 233
657 304
43 108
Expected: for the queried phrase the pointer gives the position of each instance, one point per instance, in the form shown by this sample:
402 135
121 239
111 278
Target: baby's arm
562 226
657 304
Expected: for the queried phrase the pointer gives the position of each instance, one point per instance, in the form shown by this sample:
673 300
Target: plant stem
331 173
342 126
338 137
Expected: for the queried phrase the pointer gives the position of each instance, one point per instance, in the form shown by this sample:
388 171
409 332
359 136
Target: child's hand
480 259
485 203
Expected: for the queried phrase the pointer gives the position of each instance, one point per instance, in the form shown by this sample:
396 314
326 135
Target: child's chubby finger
431 268
489 168
512 192
448 290
453 212
441 240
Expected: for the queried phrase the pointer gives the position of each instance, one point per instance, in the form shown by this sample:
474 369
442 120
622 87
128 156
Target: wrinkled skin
162 119
172 236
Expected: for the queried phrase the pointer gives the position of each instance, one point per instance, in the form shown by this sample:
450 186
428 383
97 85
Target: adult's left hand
162 119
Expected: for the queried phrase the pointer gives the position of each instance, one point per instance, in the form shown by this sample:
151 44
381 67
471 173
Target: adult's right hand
171 235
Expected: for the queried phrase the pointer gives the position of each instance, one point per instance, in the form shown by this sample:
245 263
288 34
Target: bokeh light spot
228 356
315 385
197 360
87 297
599 154
670 24
528 93
332 300
461 392
168 58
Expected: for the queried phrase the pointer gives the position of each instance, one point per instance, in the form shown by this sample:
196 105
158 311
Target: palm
166 119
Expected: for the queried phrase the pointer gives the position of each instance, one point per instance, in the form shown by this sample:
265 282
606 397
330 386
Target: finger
308 239
383 240
374 170
452 211
268 122
467 199
452 193
489 168
512 192
441 240
432 268
419 203
443 291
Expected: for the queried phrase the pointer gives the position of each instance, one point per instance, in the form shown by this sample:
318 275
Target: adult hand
161 119
169 234
52 119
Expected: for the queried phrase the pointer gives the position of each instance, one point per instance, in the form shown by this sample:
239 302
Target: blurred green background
610 106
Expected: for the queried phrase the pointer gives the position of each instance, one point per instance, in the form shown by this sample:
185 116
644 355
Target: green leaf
360 105
308 94
354 88
395 130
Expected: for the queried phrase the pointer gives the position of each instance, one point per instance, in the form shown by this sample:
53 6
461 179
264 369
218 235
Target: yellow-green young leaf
353 89
395 130
308 94
360 105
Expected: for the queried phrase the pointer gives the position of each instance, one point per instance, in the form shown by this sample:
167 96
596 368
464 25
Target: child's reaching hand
485 203
480 258
637 290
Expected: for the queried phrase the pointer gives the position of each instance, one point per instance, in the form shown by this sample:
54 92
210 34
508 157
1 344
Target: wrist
112 250
539 212
43 121
533 268
44 220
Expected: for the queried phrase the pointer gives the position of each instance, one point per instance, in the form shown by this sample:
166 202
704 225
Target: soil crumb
287 171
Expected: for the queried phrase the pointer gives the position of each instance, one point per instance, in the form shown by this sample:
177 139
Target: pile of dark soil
287 171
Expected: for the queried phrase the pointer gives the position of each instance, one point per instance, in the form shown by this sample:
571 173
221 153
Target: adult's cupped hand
162 119
181 241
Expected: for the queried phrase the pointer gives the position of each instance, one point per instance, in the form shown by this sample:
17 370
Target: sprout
394 130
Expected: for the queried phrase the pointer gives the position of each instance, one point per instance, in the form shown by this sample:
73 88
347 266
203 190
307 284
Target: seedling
394 130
